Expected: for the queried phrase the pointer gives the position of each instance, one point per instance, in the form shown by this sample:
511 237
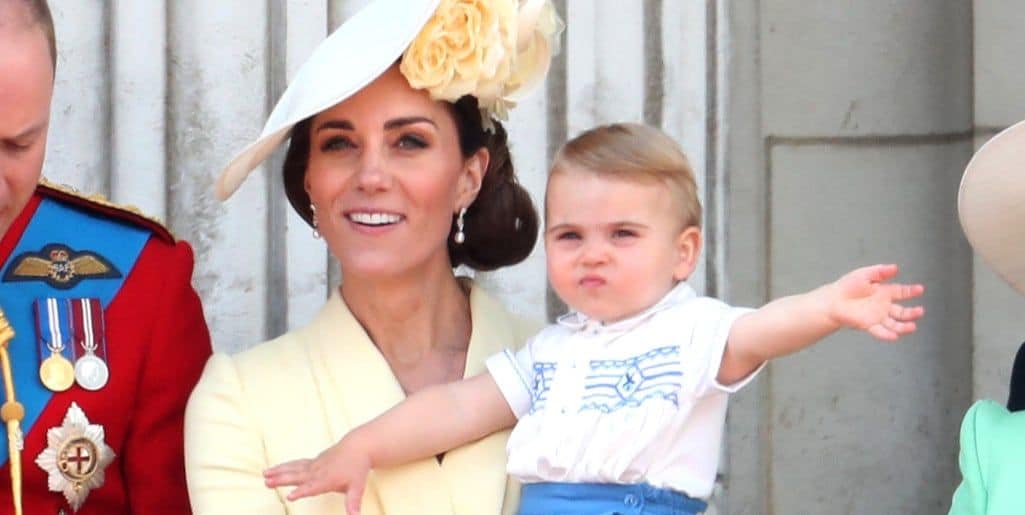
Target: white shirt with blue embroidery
628 402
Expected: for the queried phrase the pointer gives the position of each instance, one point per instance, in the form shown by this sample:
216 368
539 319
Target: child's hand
338 469
863 300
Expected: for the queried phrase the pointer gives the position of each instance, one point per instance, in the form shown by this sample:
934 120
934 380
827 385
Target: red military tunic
156 345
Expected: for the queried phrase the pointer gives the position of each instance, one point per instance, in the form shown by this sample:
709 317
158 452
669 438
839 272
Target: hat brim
358 52
991 204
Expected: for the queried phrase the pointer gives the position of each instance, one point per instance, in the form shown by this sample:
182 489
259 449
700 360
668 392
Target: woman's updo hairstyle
500 225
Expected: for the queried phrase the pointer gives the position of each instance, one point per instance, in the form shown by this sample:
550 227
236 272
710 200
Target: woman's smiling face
385 175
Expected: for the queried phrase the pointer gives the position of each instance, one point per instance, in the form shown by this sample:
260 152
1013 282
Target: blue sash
57 223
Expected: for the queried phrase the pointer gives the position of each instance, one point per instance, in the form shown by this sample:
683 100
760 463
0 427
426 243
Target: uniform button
630 500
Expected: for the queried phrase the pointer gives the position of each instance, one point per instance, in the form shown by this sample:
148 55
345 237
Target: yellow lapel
476 472
356 385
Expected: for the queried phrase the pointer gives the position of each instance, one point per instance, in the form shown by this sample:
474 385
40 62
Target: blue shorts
605 499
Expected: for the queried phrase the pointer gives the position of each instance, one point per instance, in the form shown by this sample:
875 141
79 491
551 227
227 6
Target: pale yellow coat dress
293 396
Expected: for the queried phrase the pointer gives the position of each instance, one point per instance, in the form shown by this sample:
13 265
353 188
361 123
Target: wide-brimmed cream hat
495 50
991 204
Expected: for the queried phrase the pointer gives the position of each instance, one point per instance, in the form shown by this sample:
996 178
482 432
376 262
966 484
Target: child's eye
411 142
568 235
336 143
624 233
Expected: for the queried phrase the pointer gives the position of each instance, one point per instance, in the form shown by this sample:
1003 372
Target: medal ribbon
88 327
53 328
58 222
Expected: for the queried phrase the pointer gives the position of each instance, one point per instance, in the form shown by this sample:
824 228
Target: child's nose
594 253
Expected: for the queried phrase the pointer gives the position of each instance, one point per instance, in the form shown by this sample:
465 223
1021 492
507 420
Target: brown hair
500 225
39 14
632 151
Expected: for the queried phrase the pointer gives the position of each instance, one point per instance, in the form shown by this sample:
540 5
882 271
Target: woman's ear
474 169
688 247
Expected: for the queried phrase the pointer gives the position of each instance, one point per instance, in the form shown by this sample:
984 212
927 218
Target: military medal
91 371
76 457
56 371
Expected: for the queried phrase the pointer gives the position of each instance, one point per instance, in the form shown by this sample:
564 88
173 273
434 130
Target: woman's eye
15 147
412 142
336 143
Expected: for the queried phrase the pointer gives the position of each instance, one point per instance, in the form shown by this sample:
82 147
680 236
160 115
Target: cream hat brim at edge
355 54
991 204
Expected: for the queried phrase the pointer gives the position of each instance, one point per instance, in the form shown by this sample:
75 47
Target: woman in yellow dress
397 157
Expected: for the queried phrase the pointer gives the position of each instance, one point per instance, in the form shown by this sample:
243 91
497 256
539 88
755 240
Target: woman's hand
340 468
863 300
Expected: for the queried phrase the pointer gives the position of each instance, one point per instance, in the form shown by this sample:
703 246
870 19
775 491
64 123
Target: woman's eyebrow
399 122
31 131
336 124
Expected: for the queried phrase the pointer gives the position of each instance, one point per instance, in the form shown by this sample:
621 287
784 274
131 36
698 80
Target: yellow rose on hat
465 49
495 50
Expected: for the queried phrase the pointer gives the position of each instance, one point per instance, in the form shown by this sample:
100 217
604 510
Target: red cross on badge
76 457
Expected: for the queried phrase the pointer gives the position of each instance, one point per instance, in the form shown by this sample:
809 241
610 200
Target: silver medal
91 372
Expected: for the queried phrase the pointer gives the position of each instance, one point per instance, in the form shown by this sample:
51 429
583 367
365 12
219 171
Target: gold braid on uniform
12 412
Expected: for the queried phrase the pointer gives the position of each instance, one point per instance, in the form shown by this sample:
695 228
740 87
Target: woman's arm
224 456
862 299
431 421
970 498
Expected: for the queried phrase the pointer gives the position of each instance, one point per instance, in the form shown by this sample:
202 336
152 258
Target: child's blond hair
633 151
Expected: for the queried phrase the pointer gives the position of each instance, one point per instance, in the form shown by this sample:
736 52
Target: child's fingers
881 332
289 479
877 273
891 330
899 328
292 474
906 314
904 291
287 466
354 497
309 488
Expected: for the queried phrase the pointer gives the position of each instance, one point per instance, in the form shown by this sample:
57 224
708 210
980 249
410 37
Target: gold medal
57 373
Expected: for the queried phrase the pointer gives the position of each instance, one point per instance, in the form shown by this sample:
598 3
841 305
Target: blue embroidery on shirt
629 383
543 372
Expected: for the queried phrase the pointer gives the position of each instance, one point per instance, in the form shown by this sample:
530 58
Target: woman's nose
372 174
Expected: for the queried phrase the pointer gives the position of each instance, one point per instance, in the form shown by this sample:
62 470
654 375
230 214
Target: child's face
614 247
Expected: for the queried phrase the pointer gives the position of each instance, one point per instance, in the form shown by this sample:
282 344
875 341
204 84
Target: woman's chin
379 266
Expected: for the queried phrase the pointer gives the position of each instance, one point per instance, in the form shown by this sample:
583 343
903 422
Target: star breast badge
75 457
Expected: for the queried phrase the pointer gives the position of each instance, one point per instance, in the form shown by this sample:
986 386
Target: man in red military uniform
109 336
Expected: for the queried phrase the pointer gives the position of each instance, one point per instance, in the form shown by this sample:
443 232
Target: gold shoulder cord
12 412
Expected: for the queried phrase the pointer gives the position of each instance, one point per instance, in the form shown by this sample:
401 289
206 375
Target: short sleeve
514 377
713 320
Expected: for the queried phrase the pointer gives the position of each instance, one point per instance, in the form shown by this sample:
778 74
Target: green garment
992 462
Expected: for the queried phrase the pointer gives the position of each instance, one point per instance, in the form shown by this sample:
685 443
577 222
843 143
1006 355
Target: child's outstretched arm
862 299
428 422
